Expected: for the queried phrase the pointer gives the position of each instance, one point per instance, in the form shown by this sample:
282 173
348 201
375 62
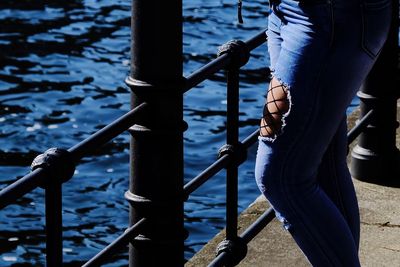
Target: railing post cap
58 162
239 51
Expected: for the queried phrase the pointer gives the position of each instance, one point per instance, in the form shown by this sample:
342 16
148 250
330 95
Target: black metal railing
56 166
52 167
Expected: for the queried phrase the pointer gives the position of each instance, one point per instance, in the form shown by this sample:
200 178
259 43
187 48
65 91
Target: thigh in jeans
320 66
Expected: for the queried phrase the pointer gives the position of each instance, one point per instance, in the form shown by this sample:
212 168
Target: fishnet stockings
276 105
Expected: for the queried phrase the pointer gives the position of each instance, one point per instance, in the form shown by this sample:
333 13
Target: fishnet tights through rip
276 105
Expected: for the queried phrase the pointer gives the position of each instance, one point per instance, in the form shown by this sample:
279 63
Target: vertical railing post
232 139
239 56
59 167
375 158
53 201
232 249
156 176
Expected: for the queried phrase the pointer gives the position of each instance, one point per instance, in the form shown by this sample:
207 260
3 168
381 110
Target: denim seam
335 180
331 5
291 153
291 205
331 156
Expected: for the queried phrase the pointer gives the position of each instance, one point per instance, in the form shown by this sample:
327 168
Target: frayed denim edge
284 116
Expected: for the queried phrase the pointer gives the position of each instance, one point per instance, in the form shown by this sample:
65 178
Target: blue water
62 71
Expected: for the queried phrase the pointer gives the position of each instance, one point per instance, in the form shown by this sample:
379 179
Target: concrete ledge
380 231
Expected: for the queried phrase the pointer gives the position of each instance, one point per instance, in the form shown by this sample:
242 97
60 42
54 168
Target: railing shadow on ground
56 166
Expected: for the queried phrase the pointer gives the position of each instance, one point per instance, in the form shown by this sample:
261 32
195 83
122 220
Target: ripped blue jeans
320 53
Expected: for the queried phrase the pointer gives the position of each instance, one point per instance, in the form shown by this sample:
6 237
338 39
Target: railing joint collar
237 151
236 250
154 87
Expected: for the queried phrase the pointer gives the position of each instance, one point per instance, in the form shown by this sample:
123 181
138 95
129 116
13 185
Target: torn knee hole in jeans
276 109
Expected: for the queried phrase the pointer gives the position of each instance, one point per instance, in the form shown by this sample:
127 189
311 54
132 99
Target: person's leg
334 178
285 171
357 55
319 70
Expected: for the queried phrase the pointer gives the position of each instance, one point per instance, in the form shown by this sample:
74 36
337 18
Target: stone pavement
380 231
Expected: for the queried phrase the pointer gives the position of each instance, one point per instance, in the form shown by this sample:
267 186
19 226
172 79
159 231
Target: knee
266 174
276 107
269 186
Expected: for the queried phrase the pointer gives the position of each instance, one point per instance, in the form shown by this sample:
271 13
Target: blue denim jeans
321 50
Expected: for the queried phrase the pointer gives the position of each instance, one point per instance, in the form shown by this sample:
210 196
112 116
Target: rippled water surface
62 70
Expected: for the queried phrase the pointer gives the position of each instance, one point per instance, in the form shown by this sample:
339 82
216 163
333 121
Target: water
62 70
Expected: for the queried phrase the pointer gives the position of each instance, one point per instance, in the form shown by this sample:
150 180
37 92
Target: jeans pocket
376 17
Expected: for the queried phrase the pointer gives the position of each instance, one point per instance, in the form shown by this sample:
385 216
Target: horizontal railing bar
258 225
360 126
251 139
206 71
214 168
257 40
117 244
220 62
220 260
21 187
247 235
107 133
205 175
29 182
